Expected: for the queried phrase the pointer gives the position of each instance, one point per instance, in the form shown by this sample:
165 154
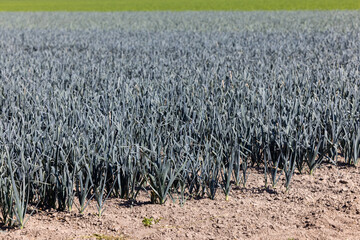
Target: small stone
343 182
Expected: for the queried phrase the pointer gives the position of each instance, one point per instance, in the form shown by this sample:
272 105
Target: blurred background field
175 5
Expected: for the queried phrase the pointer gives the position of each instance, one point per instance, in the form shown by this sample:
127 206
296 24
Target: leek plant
174 110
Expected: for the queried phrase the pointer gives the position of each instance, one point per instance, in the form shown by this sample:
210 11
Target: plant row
87 116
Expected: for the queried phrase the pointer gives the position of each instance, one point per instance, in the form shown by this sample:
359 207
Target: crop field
97 106
175 5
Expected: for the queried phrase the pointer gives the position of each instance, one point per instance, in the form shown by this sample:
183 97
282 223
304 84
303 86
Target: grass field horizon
175 5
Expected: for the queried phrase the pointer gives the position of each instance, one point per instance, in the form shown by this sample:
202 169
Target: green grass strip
175 5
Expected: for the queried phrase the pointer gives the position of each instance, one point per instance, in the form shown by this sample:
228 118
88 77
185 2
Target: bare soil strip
325 205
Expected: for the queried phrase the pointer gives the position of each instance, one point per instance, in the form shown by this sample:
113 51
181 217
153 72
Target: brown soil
325 205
